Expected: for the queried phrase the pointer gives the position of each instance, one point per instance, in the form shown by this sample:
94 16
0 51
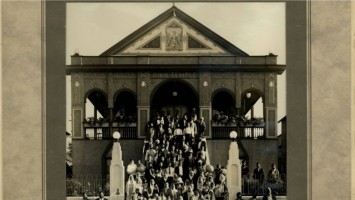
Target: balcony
246 129
102 131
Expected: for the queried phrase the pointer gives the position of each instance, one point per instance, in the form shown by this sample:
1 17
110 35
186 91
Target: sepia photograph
172 101
177 100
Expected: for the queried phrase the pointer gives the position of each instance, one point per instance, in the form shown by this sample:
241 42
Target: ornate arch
262 95
119 91
87 93
230 92
163 82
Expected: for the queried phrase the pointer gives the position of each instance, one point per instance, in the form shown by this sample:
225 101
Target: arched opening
252 111
223 102
174 96
96 104
252 104
96 114
125 107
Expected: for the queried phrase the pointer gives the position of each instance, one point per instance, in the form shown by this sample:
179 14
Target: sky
256 28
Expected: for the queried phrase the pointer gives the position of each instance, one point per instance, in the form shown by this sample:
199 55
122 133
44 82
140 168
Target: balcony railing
96 131
252 131
127 130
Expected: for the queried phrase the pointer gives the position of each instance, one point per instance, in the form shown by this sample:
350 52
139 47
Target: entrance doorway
174 96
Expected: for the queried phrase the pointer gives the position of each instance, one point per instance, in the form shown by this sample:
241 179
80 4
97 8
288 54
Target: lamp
174 93
271 84
116 135
143 83
248 95
233 135
205 83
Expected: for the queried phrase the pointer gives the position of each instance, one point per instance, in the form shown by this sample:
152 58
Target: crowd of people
176 164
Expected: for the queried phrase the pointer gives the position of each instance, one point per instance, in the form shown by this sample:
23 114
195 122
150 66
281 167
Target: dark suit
259 174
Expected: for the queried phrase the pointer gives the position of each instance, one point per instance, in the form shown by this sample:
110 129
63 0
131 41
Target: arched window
96 115
125 107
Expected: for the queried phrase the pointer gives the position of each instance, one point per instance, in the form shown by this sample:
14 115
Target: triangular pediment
173 33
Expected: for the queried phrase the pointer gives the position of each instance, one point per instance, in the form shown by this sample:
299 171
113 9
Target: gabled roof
174 11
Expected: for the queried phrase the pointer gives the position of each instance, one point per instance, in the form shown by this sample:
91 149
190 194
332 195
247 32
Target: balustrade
95 131
244 131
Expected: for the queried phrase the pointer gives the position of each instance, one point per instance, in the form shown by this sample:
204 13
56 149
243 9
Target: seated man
274 175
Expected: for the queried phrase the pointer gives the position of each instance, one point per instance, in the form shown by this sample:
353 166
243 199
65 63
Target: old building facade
172 64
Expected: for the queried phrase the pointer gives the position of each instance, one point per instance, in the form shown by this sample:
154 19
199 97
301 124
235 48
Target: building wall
262 151
88 155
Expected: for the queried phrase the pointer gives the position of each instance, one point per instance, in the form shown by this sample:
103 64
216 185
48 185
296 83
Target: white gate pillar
234 173
117 171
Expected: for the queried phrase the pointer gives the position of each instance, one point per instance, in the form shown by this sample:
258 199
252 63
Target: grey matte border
297 100
55 123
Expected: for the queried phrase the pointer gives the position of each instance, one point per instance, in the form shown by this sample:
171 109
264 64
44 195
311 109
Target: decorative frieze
124 75
223 83
174 75
130 84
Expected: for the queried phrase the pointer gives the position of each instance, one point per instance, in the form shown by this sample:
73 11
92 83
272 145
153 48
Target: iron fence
251 186
91 185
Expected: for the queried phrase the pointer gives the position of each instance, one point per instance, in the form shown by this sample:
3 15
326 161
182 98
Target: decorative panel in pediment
173 37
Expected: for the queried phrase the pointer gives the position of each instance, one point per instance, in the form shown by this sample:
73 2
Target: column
205 100
78 106
143 102
270 104
238 92
95 117
143 118
110 120
110 103
238 99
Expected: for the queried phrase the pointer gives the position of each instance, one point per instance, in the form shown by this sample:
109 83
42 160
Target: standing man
259 173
